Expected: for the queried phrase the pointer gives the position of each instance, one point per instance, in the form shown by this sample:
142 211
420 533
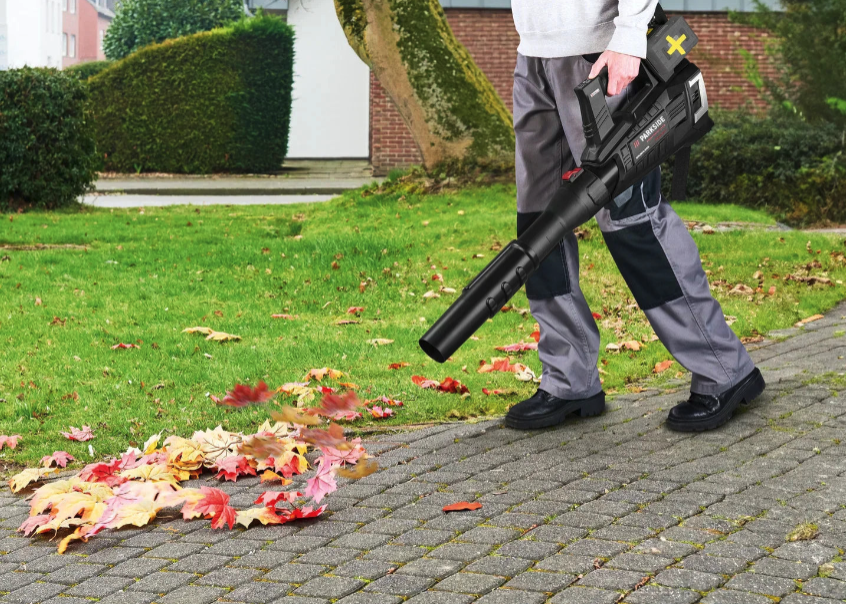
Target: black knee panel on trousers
552 278
644 265
646 194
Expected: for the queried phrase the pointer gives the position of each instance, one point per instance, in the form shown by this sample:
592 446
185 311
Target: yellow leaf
150 473
217 444
632 345
80 533
290 415
203 330
151 444
220 336
263 514
23 479
183 454
380 342
319 374
137 513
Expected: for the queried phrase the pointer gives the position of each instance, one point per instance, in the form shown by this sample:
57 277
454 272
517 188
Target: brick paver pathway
611 509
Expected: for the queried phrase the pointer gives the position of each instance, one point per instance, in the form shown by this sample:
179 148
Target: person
563 42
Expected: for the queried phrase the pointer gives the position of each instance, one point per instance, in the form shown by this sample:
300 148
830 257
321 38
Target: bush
779 163
83 71
47 155
139 23
217 101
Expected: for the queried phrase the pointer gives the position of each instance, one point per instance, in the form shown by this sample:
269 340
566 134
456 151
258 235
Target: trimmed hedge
47 153
782 164
217 101
83 71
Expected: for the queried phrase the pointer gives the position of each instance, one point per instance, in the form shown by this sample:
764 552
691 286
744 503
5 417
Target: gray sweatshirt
564 28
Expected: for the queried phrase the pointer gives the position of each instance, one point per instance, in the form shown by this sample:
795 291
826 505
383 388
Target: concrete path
148 201
598 511
298 177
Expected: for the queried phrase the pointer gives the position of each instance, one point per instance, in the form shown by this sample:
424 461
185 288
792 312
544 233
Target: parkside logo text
652 128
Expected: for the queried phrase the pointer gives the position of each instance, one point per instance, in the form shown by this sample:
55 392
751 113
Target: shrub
779 163
47 155
217 101
83 71
139 23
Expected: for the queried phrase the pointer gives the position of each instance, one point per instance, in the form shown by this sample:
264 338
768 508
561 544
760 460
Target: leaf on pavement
363 468
230 468
321 484
462 506
22 479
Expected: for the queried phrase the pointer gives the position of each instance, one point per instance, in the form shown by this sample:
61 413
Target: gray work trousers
649 243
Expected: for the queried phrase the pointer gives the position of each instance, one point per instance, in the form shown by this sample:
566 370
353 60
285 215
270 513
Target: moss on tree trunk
450 107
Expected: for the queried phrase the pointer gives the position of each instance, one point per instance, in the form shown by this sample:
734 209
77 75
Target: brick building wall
491 39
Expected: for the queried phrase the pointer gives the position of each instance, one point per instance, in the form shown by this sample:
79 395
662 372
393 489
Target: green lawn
144 276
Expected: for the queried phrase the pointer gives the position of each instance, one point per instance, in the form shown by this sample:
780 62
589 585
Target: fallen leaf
263 514
220 336
662 366
124 346
498 392
291 415
9 441
213 504
321 484
241 395
380 413
447 385
741 289
810 319
271 499
230 468
319 374
288 317
462 506
202 330
398 365
632 345
380 342
500 364
271 476
60 458
518 347
79 435
354 310
363 468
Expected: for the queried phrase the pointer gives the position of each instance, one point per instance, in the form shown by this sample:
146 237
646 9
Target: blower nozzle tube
576 202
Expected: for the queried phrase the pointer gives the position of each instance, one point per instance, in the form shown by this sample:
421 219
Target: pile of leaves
133 489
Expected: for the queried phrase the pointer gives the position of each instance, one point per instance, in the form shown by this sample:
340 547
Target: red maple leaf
79 435
230 468
124 346
103 472
332 404
242 395
399 365
452 386
307 512
354 310
391 402
424 382
271 498
215 505
596 315
380 413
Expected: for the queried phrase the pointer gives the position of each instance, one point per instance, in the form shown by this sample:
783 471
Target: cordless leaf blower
667 114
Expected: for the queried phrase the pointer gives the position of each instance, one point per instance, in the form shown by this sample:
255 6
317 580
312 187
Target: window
64 45
73 46
72 6
102 36
64 5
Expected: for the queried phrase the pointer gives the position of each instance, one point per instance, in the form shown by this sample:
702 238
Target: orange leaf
271 476
462 506
398 365
662 366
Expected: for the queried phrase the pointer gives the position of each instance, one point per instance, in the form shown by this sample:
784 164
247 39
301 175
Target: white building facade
30 33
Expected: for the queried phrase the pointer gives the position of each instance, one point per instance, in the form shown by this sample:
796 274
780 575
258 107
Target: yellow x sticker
676 45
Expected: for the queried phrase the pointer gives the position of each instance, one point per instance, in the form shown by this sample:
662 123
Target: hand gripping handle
596 117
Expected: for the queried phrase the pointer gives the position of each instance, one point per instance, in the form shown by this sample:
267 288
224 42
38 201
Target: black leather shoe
708 411
544 410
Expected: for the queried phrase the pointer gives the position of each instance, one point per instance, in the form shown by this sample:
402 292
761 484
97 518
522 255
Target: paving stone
645 563
174 551
360 541
812 553
596 548
396 553
75 573
14 581
137 567
540 581
423 538
826 588
803 599
688 579
191 594
98 587
329 587
434 597
785 568
229 577
585 595
299 544
511 596
127 597
564 563
161 582
490 535
365 598
432 568
400 585
329 556
499 565
296 573
605 578
66 600
464 552
470 583
530 550
716 565
762 584
265 559
652 594
34 592
729 596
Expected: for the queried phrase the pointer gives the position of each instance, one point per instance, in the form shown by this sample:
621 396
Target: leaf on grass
288 317
518 347
462 506
241 395
363 468
380 342
447 385
60 458
319 374
390 402
79 435
347 322
203 330
498 392
291 415
335 404
741 289
596 315
9 441
221 336
399 365
662 366
632 345
380 413
354 310
122 346
500 364
810 280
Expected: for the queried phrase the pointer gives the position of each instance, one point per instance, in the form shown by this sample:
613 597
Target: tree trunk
450 107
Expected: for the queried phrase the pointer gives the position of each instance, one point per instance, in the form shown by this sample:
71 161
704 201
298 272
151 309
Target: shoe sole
586 407
745 395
